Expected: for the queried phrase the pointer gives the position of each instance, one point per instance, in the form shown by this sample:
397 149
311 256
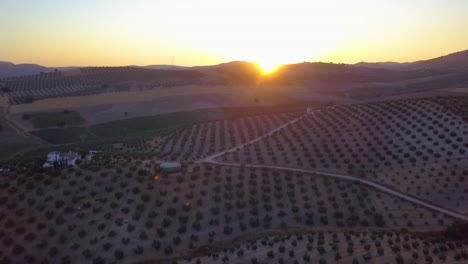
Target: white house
67 159
309 110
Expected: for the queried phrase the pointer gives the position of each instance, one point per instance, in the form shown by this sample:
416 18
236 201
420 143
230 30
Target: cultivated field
89 81
341 247
116 210
208 138
404 144
120 213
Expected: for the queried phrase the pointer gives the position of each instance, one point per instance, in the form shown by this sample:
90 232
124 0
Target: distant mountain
246 72
162 67
8 69
236 72
454 61
384 65
310 73
451 62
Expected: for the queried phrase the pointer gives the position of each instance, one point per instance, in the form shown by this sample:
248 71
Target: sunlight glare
267 67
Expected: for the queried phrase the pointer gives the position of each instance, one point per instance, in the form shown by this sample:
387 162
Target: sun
267 67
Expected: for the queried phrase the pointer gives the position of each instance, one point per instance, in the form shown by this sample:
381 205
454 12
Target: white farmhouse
67 159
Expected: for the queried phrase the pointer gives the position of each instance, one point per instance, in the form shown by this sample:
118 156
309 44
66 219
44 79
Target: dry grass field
129 96
102 108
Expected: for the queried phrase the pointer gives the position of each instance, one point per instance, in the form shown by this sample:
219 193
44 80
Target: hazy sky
200 32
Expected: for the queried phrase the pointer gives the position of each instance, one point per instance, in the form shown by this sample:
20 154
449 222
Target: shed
170 166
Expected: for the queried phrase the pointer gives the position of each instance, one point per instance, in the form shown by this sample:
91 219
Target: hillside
453 62
255 187
360 81
8 69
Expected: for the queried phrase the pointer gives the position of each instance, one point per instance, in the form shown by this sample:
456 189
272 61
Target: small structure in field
61 159
309 110
170 166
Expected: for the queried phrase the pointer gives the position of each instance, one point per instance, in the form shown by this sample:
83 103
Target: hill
255 188
453 62
8 69
359 81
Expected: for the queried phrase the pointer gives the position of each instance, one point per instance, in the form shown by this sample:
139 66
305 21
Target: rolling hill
359 81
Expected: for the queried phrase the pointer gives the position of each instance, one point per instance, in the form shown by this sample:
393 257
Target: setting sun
267 67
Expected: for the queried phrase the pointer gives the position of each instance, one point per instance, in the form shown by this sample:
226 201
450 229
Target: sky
205 32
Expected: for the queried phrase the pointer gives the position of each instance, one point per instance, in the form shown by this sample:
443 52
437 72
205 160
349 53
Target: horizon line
226 62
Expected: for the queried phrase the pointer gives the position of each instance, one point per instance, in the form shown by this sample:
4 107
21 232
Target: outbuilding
170 166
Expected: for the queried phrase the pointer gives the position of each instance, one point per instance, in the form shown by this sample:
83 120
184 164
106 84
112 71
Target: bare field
111 112
112 98
11 142
102 108
114 106
456 90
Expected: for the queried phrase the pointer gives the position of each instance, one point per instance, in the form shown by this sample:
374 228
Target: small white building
309 110
67 159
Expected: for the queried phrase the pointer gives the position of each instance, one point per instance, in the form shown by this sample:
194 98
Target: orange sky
142 32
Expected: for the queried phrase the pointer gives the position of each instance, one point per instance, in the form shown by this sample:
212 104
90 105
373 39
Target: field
120 213
150 124
405 144
211 137
12 142
341 247
124 96
63 135
103 108
90 81
220 208
54 119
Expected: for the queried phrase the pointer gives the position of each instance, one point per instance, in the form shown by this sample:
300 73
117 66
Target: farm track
369 183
